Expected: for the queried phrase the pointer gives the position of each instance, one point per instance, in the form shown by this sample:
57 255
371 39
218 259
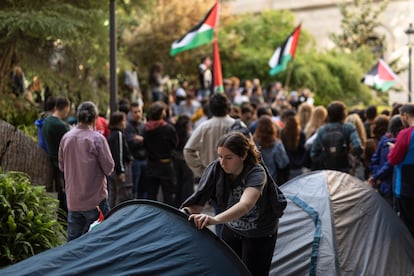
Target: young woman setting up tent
240 185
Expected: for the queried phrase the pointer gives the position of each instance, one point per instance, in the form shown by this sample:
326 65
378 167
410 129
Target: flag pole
288 76
217 71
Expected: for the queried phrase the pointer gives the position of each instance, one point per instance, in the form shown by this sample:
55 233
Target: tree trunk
19 152
6 60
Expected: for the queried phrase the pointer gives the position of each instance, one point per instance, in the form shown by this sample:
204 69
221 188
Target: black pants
406 208
60 188
160 174
184 186
256 253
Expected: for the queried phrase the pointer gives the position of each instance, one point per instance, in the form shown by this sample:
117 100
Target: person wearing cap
86 160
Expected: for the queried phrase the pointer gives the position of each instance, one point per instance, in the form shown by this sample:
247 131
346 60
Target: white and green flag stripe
199 35
285 53
380 77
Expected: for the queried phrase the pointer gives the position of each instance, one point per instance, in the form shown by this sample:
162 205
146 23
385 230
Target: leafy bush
16 112
29 130
29 222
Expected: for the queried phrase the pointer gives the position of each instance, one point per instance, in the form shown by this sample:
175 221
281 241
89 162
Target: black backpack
240 126
334 148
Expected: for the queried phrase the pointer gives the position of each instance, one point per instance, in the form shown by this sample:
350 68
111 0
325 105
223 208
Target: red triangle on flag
212 16
384 72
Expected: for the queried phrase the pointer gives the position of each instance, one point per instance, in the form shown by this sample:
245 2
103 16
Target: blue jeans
79 221
138 168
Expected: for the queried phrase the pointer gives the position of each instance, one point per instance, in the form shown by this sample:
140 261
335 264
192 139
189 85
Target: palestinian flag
380 77
199 35
218 76
283 54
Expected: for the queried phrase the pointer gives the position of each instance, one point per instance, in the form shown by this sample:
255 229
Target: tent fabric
138 237
335 224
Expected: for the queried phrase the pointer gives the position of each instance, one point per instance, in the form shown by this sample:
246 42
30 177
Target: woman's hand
202 220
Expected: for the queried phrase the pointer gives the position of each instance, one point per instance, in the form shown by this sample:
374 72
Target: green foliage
248 41
331 76
16 112
347 75
29 130
28 219
31 32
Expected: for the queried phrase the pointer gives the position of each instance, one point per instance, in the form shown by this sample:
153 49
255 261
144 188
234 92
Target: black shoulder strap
280 204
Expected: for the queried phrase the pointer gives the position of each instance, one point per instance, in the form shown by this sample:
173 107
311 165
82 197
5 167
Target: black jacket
119 150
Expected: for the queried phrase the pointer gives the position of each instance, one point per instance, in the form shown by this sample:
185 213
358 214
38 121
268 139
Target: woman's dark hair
115 119
336 112
182 128
395 125
240 145
87 113
155 111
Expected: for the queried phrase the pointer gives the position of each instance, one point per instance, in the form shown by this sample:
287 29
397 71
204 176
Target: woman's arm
245 204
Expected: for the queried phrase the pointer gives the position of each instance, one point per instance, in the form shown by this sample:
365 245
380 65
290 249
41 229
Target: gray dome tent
335 224
138 237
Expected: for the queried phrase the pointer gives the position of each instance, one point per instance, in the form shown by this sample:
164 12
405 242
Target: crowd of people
172 148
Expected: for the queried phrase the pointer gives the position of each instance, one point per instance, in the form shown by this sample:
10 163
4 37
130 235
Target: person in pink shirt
86 161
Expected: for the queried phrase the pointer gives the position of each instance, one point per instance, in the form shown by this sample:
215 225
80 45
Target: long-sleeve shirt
402 143
119 150
200 149
402 157
86 160
53 130
381 169
136 148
